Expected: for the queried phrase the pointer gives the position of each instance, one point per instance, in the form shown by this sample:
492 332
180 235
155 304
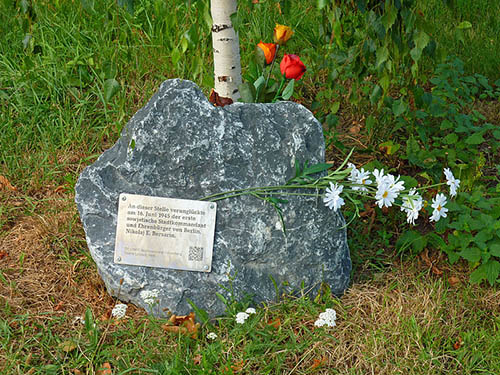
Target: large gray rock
180 146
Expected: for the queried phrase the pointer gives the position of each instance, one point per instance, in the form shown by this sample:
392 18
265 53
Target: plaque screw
212 206
119 259
206 268
124 198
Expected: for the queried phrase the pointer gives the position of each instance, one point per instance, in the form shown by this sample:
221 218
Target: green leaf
478 275
492 271
288 91
421 40
496 134
399 107
321 4
128 4
450 139
472 254
382 56
464 25
247 92
495 250
475 139
446 124
111 88
175 55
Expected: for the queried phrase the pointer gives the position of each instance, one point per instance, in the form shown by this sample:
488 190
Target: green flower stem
282 83
272 65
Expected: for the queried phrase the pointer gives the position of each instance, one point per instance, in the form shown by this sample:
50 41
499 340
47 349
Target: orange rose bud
291 67
269 50
282 33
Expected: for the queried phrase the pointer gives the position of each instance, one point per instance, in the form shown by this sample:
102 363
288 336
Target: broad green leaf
450 139
421 40
111 88
492 271
382 56
472 254
475 139
478 275
399 107
175 55
247 92
495 250
259 83
288 91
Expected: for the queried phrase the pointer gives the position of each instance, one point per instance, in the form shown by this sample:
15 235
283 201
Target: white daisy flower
385 195
250 310
119 311
453 182
394 183
440 211
362 178
211 336
241 317
379 176
412 204
332 197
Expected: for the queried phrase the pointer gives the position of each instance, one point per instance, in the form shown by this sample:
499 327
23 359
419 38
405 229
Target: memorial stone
181 146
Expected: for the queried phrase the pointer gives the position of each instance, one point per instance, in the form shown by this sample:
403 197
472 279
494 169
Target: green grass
55 119
478 46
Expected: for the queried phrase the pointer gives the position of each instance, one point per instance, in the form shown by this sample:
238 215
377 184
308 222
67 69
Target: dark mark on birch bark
217 28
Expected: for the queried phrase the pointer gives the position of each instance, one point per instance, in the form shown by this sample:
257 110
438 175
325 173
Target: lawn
424 299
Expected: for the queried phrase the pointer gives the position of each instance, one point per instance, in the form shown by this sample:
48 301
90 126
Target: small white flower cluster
211 336
388 189
150 296
242 316
326 318
119 311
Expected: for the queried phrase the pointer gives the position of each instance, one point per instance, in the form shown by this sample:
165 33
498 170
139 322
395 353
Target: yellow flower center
439 207
385 194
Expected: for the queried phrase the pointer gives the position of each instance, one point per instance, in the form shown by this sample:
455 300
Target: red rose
291 67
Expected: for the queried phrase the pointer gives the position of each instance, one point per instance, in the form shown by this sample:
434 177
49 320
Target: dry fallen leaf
318 362
5 184
197 359
67 346
59 306
3 254
105 369
436 271
453 280
276 323
237 366
184 324
457 345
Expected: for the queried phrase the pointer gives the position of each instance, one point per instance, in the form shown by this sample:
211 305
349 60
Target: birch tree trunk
226 46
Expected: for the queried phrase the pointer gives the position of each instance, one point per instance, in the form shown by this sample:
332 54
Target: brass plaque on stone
165 232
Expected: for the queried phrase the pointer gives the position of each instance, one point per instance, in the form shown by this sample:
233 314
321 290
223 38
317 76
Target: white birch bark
226 46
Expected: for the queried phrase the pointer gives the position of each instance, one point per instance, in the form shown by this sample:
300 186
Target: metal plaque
165 232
